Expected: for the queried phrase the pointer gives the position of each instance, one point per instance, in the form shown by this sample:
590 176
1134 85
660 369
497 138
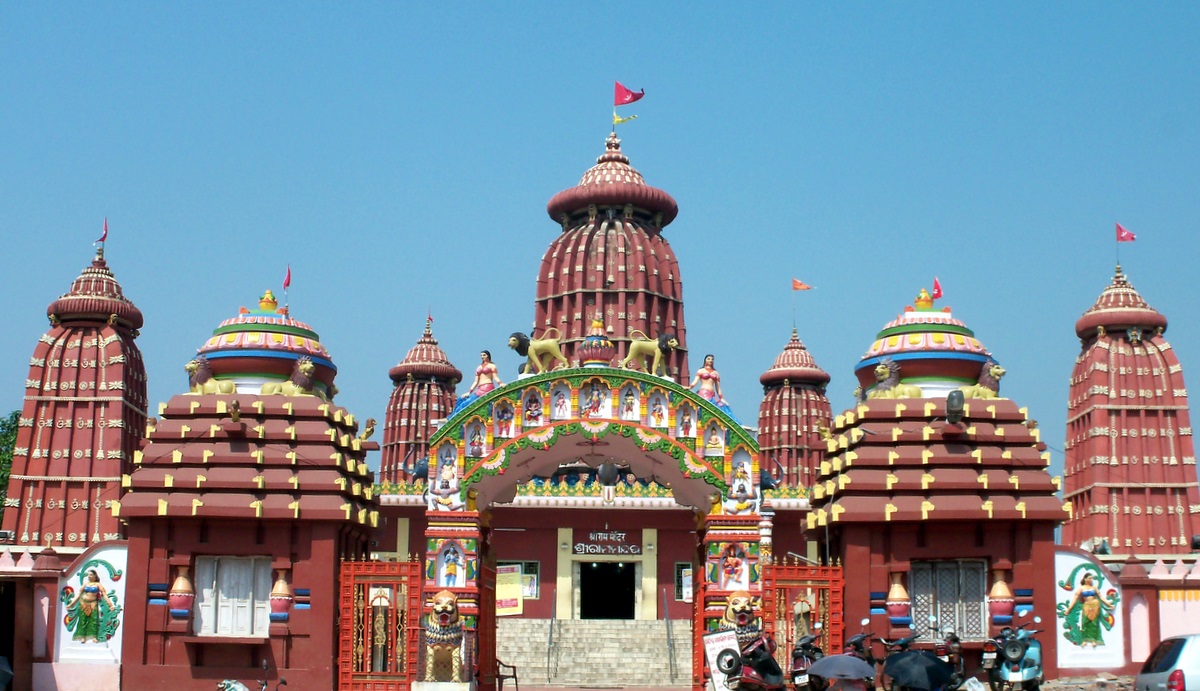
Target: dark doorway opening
8 616
606 590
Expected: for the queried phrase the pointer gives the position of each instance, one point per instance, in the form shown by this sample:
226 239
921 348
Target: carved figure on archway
651 354
988 385
533 409
629 405
658 411
887 378
732 567
443 640
541 352
443 493
742 497
200 378
504 420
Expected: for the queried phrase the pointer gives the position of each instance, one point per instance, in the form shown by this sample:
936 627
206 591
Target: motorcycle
754 668
949 650
860 644
891 648
804 653
1013 660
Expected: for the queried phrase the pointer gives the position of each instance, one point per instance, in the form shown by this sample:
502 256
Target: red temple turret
1130 459
83 417
424 394
793 411
612 262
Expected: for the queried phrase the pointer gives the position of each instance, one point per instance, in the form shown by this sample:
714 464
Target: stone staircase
596 653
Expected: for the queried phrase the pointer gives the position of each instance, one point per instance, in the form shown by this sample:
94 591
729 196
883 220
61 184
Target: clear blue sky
399 156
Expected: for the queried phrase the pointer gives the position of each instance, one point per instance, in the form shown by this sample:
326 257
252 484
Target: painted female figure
1088 613
709 381
85 612
487 378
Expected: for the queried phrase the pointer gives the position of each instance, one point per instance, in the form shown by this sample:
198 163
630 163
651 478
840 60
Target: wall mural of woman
92 611
1089 612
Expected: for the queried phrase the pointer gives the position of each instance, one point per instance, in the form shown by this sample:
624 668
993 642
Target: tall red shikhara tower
793 409
1130 459
424 393
612 261
83 418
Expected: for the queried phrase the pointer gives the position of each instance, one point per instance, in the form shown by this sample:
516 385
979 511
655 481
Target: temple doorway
607 590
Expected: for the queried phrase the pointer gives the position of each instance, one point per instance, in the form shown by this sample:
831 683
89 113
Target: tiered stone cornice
899 460
96 296
285 457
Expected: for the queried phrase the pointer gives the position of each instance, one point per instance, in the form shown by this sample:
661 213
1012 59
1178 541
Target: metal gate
795 597
379 627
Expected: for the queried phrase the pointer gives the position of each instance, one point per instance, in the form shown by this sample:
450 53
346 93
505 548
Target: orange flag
797 284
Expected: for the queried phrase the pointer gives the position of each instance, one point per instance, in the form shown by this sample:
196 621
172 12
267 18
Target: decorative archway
625 425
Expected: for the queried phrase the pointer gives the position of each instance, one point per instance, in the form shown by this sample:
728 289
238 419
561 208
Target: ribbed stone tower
612 262
793 410
83 417
1130 459
423 394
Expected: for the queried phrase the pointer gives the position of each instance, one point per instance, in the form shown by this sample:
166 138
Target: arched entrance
611 425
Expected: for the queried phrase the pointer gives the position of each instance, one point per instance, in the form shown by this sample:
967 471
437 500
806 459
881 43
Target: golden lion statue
646 350
739 617
887 377
989 382
200 378
443 640
540 351
300 384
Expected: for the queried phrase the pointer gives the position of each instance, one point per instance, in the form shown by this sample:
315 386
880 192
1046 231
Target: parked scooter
860 643
754 668
890 648
1013 659
806 652
949 650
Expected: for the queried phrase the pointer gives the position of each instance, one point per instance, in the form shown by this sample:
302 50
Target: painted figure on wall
451 564
732 563
92 612
1088 614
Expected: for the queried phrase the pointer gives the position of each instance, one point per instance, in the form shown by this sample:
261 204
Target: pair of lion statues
543 352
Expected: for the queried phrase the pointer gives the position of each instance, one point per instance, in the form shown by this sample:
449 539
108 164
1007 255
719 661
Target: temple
1130 457
603 508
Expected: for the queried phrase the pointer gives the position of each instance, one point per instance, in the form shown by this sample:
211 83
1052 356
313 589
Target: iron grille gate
797 596
380 622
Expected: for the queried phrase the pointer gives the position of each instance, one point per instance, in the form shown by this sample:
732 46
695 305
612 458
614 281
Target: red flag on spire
623 96
287 279
937 288
1124 235
797 284
104 235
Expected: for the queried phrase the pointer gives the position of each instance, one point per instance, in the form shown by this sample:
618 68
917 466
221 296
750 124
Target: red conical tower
424 393
793 409
1130 460
612 260
83 418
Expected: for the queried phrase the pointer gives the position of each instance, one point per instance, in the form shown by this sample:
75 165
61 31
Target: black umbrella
917 669
842 667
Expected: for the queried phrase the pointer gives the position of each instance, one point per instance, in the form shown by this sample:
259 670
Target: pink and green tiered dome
263 345
935 351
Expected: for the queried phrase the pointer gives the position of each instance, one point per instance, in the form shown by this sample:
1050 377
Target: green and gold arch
649 427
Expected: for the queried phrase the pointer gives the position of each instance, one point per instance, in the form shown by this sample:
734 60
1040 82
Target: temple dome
426 360
95 296
794 364
934 350
263 345
612 182
1118 308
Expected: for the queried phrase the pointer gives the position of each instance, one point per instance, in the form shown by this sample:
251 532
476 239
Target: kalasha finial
612 143
924 300
429 323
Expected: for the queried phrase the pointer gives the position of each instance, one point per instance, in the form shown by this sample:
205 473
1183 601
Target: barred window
683 581
954 591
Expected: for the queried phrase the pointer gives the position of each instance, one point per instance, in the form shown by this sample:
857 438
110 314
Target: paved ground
1109 683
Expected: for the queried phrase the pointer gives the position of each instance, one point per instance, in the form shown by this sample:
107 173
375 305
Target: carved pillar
732 562
453 543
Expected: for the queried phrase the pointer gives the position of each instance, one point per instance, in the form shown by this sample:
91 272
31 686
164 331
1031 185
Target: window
530 583
234 596
952 591
683 581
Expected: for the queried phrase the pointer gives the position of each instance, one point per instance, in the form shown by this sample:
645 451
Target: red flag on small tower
937 288
287 279
104 235
1124 235
797 284
623 96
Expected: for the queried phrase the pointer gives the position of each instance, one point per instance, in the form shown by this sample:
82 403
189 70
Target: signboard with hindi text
509 599
607 542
